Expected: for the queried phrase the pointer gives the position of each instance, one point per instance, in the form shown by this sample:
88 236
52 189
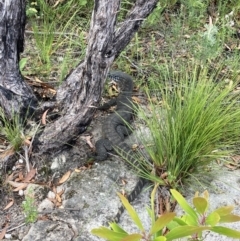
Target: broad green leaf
161 238
201 204
132 237
108 234
184 231
179 221
230 218
161 222
212 219
115 227
133 214
226 231
189 220
184 205
222 211
171 225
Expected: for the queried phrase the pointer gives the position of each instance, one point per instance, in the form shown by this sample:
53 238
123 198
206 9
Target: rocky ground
87 199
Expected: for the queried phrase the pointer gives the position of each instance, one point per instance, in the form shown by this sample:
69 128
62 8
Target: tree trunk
15 95
81 91
83 87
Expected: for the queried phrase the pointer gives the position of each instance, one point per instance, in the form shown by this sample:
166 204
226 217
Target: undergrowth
12 130
192 122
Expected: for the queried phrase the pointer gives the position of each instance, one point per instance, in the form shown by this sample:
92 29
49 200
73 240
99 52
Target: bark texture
82 89
15 95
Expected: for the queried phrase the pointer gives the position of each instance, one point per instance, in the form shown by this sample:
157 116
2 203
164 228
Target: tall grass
13 131
192 123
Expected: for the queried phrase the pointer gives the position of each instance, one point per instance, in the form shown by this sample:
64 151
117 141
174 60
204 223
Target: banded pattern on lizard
116 127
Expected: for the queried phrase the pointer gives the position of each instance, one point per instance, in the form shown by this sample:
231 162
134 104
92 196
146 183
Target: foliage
12 130
30 209
55 29
193 223
22 64
193 121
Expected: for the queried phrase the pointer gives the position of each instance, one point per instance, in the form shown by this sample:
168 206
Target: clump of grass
12 130
192 123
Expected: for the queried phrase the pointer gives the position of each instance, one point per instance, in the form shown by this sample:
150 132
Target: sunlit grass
191 123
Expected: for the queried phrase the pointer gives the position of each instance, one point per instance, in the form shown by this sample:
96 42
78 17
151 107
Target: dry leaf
164 175
14 184
44 117
43 218
236 158
123 193
9 204
2 234
58 198
21 187
136 100
65 177
27 141
6 153
231 167
58 204
60 193
30 175
88 140
53 200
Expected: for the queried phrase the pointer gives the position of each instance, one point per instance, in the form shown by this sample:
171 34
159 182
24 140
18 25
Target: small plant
12 130
192 224
29 209
193 121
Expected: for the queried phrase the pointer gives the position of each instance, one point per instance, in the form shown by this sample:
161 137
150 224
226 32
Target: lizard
116 127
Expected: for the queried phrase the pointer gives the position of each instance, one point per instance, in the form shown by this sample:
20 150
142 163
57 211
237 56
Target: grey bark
15 95
82 89
80 93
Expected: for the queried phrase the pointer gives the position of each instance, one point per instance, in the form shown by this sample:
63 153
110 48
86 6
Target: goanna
115 128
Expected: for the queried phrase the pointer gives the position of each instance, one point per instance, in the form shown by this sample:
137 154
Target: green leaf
222 211
153 194
230 218
161 222
226 231
179 221
132 237
201 204
206 195
212 219
133 214
161 238
115 227
184 231
189 220
22 63
108 234
185 206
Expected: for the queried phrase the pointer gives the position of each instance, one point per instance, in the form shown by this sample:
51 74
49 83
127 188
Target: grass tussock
12 131
192 123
